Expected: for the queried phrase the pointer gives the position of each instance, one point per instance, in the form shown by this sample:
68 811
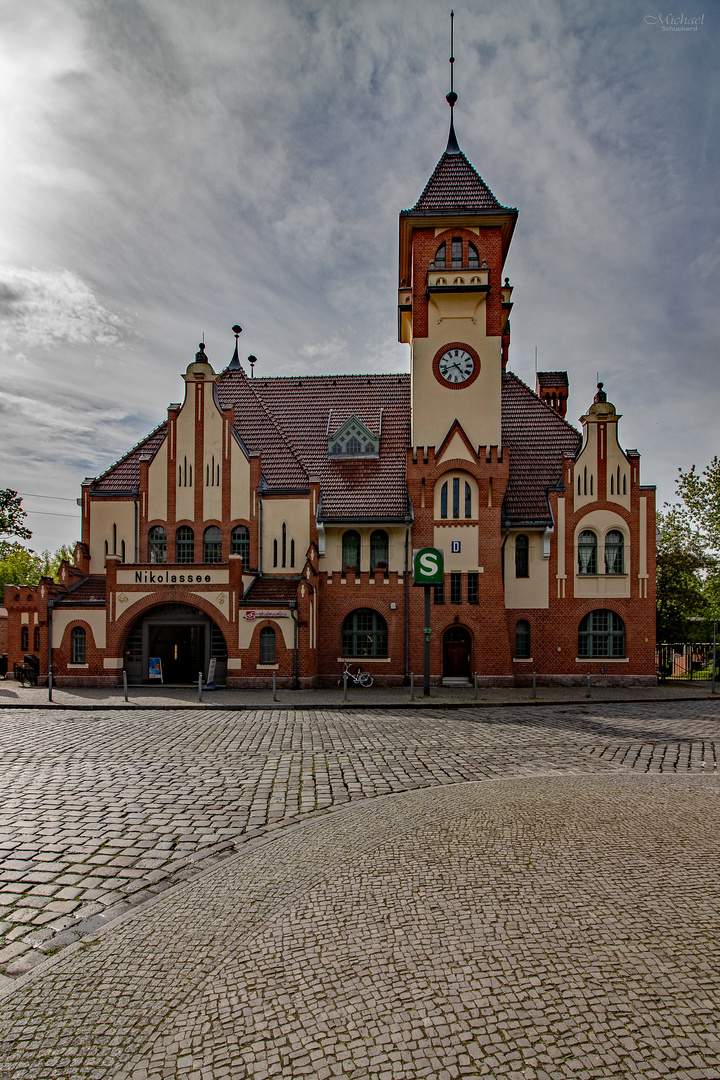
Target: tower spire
451 98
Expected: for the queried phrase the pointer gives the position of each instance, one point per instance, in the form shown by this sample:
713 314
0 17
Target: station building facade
267 524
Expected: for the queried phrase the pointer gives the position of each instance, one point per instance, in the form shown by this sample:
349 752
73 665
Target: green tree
683 561
23 566
700 494
12 516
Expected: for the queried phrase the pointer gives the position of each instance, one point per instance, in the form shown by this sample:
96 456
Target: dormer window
353 440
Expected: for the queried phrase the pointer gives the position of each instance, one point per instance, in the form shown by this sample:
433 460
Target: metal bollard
274 685
412 686
588 689
475 683
50 686
534 693
345 686
199 685
125 684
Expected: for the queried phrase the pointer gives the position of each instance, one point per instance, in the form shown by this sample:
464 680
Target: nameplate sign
191 576
251 615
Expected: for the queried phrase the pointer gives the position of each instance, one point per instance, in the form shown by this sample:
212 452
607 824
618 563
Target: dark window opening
473 589
456 497
24 639
240 544
364 633
439 593
78 643
351 551
212 545
522 640
267 645
601 633
184 545
379 548
443 500
456 588
587 552
522 556
456 252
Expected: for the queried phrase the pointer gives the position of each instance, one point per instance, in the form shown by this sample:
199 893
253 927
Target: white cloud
46 308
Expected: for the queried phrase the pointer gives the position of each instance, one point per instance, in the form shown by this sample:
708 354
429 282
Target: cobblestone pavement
99 813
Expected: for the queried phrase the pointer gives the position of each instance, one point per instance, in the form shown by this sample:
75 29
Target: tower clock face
456 366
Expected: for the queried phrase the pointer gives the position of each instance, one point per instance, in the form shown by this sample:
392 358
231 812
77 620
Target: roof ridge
272 420
127 454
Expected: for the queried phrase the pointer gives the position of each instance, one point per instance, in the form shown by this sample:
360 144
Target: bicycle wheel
365 678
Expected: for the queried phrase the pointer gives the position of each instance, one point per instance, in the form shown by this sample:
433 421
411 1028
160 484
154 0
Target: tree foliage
23 566
12 516
688 562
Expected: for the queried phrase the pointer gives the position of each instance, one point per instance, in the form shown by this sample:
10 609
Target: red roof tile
91 590
552 378
271 590
455 188
125 473
536 437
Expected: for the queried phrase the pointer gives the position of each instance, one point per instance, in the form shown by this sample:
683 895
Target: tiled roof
552 378
271 590
536 437
124 475
91 590
455 188
294 429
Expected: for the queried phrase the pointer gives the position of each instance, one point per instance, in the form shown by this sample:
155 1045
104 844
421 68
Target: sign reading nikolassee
428 566
171 577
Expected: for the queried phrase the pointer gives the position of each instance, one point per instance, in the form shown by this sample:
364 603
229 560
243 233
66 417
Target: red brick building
268 524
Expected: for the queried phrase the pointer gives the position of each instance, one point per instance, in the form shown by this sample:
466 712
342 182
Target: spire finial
451 98
235 362
252 360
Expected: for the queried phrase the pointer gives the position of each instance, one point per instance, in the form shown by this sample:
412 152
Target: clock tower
452 304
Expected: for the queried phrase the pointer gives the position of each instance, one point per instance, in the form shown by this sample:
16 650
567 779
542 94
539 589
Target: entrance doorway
457 654
177 640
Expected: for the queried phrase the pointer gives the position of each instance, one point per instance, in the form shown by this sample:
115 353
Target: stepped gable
455 187
300 407
259 433
537 437
124 475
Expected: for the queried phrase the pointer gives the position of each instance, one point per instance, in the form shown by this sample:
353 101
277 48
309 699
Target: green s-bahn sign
428 566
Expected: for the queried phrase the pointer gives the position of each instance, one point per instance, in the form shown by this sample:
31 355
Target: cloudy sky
171 167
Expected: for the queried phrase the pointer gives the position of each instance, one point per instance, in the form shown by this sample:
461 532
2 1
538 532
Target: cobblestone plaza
522 892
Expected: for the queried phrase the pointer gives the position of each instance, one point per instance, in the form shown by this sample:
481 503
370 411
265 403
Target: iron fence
686 660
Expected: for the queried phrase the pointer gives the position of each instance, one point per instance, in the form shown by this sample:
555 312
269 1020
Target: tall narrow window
472 588
212 544
439 593
184 545
443 500
378 550
240 544
292 552
456 252
24 639
267 645
36 639
275 551
473 257
440 257
284 544
456 497
614 545
455 588
468 500
522 556
78 643
522 640
122 551
351 551
587 552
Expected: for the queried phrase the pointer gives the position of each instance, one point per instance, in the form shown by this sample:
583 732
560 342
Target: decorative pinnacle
252 361
235 362
451 98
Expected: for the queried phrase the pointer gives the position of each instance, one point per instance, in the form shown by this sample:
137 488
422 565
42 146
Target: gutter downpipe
137 529
407 601
260 533
293 609
502 556
50 647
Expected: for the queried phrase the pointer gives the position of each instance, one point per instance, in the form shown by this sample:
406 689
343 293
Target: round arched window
364 633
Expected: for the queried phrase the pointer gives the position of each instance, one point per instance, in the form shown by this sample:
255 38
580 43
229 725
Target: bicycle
362 678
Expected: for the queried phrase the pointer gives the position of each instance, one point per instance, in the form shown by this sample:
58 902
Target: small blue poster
155 668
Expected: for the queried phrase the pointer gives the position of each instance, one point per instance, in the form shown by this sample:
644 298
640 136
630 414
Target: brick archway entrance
184 640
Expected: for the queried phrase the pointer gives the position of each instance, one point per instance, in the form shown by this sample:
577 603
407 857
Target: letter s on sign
429 563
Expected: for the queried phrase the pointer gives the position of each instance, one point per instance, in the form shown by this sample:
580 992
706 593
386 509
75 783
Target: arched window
522 559
157 541
284 544
379 548
275 551
36 639
456 252
351 551
364 633
212 544
587 552
184 545
24 639
468 500
78 645
240 544
292 552
522 639
267 645
456 497
601 633
443 500
440 256
473 257
614 551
